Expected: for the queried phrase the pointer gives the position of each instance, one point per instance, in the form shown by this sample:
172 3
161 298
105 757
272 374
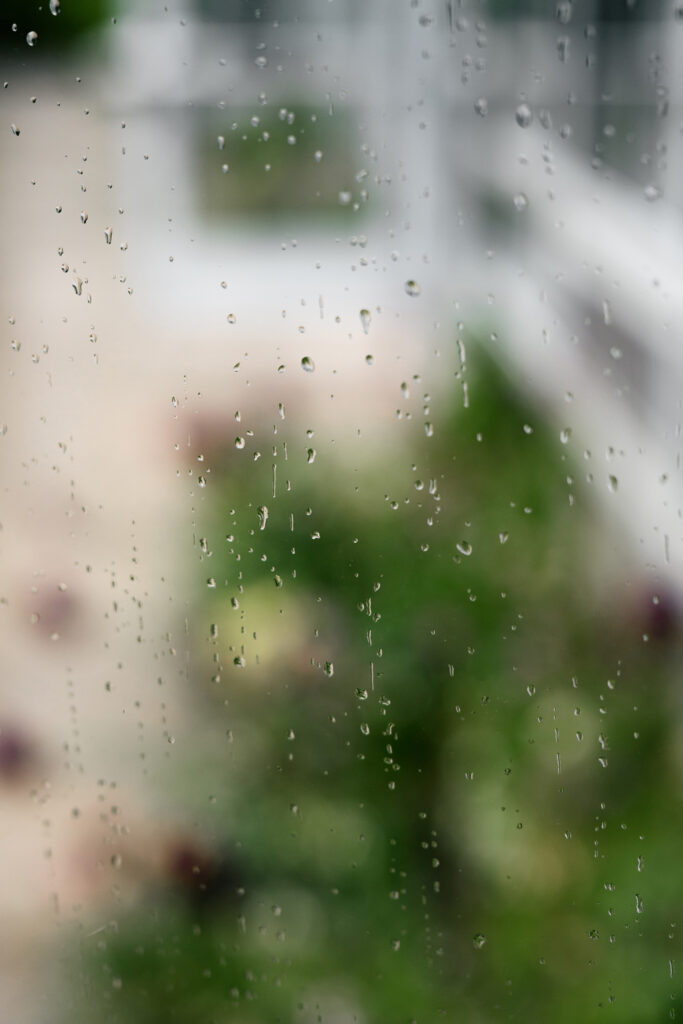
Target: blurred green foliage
56 31
267 164
482 826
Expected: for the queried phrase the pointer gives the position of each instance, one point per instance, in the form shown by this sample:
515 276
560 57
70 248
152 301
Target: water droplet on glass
365 728
277 580
310 455
479 940
211 583
652 192
464 547
307 364
221 141
15 130
262 513
563 12
503 537
369 359
84 217
612 484
365 319
361 694
77 285
108 232
565 435
239 442
328 668
412 288
55 7
481 106
521 202
31 38
344 198
318 155
523 115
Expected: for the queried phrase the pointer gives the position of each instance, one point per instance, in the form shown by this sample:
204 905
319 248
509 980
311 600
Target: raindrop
328 668
262 513
523 115
108 232
479 940
521 202
318 155
15 130
31 38
310 455
84 217
240 442
221 141
369 359
563 12
412 288
55 7
307 364
365 728
503 537
612 484
365 319
277 580
652 192
481 106
565 435
77 285
464 547
211 583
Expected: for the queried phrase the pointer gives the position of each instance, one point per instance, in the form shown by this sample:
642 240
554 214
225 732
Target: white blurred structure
563 219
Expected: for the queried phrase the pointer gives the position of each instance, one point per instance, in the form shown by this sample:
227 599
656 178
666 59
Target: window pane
341 526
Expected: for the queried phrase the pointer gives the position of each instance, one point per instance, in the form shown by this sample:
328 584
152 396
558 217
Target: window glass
341 524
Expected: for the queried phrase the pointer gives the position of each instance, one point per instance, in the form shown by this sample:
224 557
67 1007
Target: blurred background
341 521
